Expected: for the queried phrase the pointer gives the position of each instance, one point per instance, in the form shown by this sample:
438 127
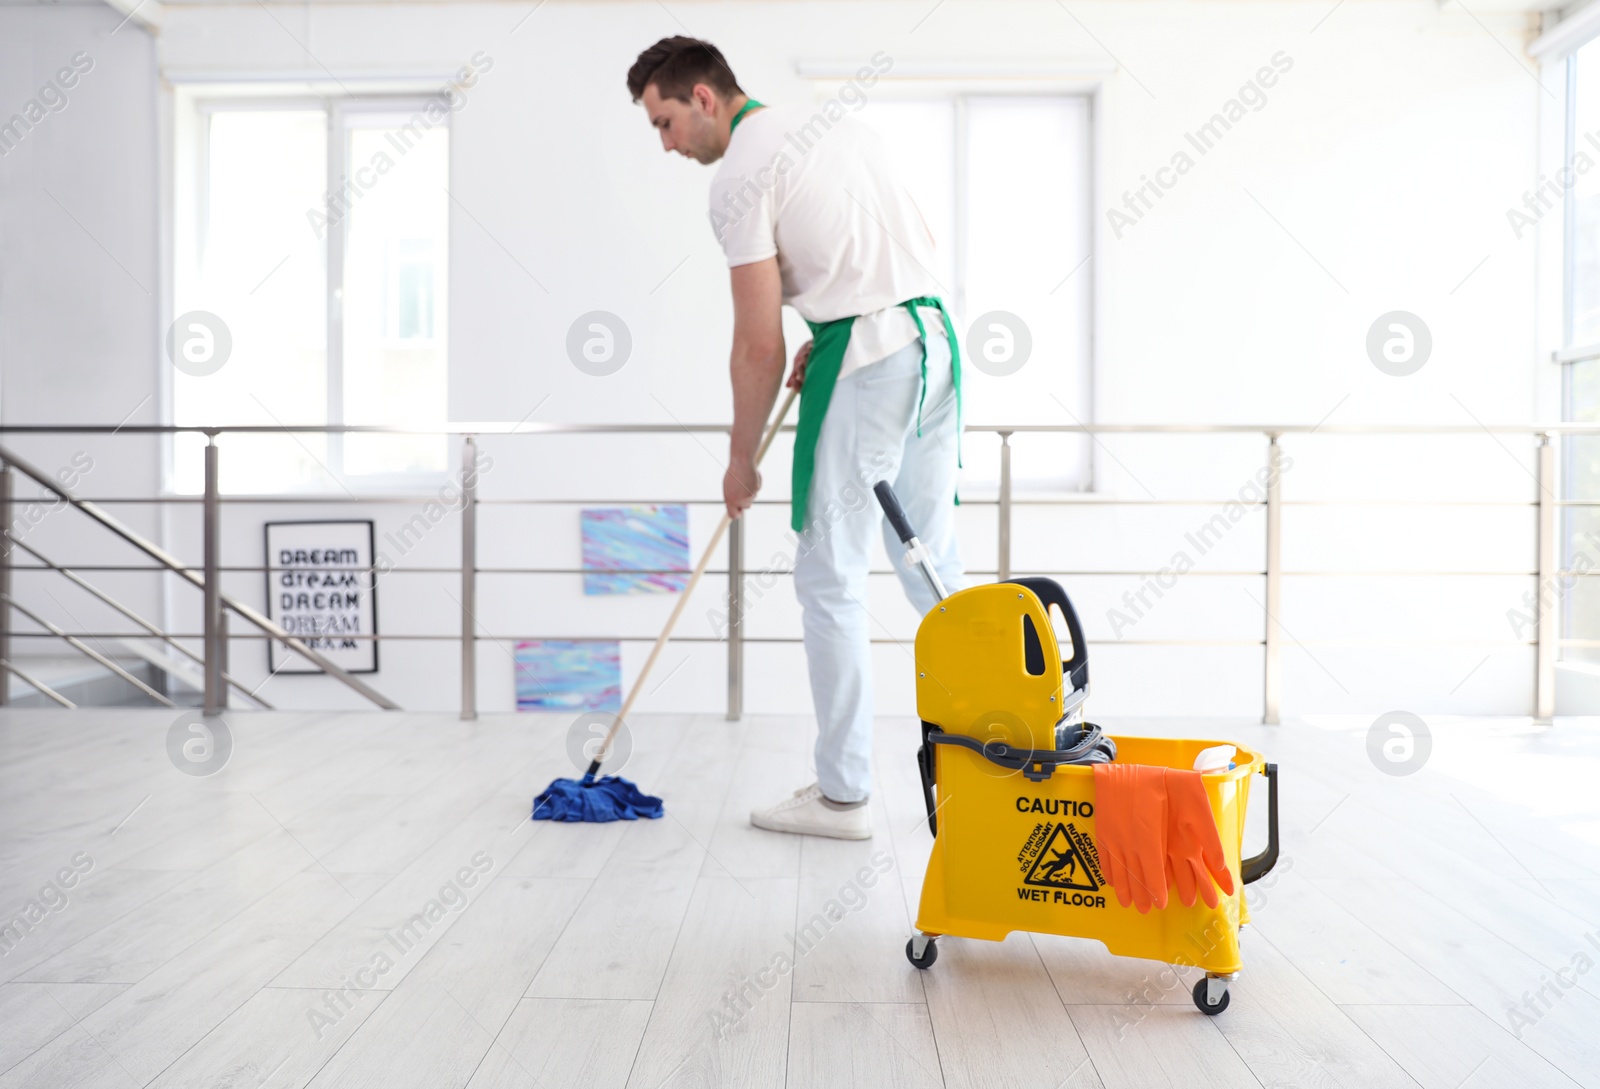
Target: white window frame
205 102
1566 354
961 82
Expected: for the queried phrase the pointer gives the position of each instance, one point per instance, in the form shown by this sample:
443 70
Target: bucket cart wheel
1211 994
922 951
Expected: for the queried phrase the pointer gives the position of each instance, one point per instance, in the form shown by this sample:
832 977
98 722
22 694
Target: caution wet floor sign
1061 857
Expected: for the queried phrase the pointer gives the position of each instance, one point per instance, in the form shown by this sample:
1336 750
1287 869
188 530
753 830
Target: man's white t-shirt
821 194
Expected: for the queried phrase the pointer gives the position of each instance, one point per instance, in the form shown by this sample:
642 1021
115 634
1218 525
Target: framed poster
321 589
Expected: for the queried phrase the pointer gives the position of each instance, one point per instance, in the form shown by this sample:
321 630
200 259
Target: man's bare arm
756 368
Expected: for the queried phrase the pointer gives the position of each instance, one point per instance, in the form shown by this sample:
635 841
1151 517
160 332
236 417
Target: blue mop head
608 798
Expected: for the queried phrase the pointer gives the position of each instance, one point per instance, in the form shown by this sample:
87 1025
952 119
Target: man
809 213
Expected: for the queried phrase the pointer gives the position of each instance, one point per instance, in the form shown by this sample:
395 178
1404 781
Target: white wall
80 289
1375 178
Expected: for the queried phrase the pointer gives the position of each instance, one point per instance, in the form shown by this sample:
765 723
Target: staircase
89 684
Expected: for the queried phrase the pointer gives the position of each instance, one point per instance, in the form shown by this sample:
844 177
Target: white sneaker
806 813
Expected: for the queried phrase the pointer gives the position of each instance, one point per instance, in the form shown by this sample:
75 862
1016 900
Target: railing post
216 697
1548 592
735 619
469 578
1272 672
6 484
1003 549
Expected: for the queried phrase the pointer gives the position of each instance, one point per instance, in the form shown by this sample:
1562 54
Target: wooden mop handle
683 598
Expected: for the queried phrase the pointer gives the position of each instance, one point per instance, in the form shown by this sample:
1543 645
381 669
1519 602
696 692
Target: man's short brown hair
676 64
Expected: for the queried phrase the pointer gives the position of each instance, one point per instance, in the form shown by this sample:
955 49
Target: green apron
750 104
828 344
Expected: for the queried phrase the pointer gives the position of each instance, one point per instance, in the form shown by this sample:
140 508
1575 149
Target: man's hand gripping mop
598 798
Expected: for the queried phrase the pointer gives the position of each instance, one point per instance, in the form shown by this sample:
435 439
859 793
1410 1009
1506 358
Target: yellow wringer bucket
1010 794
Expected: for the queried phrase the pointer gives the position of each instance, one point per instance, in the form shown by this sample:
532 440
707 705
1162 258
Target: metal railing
207 577
209 582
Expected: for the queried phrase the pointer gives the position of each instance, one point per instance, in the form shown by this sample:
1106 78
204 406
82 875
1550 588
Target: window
1004 182
1581 348
317 232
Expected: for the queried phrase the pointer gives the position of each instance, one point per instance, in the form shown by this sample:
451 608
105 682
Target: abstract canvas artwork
566 675
635 549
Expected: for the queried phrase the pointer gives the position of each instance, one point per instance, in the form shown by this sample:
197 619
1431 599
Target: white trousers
870 434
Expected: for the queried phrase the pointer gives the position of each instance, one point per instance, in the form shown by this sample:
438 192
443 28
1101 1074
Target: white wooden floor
218 914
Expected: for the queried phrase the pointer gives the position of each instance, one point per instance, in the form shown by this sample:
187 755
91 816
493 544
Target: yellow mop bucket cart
1009 788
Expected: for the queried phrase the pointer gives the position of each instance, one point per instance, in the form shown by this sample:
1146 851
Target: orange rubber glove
1194 851
1130 813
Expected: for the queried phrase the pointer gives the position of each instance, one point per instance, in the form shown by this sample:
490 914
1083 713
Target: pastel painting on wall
567 675
621 545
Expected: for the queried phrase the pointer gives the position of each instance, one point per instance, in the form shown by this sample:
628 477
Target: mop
598 798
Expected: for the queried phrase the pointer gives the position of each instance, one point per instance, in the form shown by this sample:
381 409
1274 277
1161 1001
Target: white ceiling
1479 6
328 3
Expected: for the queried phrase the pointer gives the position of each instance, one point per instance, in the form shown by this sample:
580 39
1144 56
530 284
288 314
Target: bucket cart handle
916 551
925 772
1049 592
1258 866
